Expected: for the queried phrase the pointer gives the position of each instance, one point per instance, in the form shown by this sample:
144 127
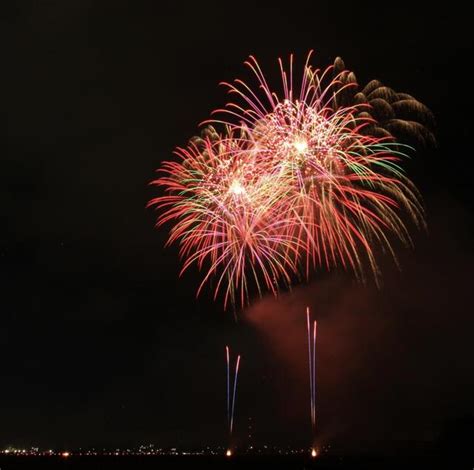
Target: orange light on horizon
314 453
228 453
65 454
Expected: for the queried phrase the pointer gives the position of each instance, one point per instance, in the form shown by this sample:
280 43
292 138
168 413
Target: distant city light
156 450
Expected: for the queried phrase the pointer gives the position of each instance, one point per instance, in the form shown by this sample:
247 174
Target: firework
224 208
347 187
231 391
297 180
393 114
312 367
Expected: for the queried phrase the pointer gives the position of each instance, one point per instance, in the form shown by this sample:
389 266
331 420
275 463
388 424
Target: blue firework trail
312 366
231 398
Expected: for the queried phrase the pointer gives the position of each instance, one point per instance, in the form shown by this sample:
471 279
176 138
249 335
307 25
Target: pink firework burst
294 182
224 211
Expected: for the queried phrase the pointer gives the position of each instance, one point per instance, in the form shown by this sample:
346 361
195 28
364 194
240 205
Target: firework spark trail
314 373
233 396
231 403
228 385
312 367
310 364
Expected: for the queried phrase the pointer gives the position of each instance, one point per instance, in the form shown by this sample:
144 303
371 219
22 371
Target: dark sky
101 343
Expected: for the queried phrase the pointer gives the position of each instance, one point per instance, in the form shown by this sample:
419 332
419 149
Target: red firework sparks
292 183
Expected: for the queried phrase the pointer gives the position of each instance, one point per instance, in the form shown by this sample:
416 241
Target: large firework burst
296 180
224 211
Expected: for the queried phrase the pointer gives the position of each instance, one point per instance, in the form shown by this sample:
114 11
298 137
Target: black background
101 342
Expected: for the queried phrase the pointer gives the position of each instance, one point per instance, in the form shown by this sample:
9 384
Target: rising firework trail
228 385
312 368
231 391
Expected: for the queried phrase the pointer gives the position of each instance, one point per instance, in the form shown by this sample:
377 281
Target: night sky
102 343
